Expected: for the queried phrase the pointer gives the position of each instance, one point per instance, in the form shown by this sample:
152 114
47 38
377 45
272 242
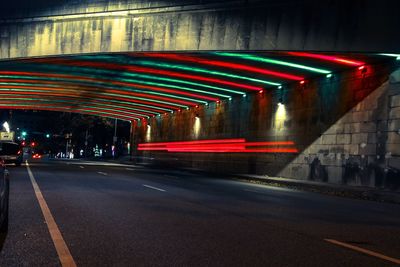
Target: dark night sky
9 8
17 7
16 4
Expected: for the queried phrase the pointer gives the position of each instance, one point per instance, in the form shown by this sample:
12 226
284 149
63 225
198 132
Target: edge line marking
63 252
155 188
364 251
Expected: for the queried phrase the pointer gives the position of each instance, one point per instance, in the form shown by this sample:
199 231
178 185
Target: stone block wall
346 130
359 148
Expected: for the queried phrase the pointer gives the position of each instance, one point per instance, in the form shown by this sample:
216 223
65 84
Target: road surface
120 215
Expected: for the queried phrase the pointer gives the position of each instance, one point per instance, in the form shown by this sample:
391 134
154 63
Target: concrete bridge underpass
320 116
43 28
244 86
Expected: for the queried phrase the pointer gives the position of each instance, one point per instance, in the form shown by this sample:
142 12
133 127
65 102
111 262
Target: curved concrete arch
120 26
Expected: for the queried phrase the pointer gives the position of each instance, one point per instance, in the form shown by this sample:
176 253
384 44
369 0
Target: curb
364 193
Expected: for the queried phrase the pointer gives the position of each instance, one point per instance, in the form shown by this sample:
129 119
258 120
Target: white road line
253 191
363 250
81 167
171 176
155 188
102 173
61 247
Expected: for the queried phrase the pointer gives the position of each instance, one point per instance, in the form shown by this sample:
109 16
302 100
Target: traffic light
33 144
47 135
23 134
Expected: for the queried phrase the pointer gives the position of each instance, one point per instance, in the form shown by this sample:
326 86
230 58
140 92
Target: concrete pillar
395 77
133 141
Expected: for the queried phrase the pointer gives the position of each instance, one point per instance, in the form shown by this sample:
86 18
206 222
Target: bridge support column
133 141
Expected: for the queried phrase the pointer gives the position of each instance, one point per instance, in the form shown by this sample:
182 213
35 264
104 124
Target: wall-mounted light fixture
363 69
196 126
148 133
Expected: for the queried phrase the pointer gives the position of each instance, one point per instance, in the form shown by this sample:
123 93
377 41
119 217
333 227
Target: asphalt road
118 215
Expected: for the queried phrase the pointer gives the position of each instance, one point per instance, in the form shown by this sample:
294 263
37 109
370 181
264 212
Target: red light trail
131 68
221 146
225 65
328 58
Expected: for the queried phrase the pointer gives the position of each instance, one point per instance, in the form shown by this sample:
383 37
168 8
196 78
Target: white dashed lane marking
154 188
364 251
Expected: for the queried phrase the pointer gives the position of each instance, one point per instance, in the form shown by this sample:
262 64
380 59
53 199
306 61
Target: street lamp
6 127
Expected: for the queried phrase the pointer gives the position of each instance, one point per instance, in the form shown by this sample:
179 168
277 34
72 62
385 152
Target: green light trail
111 87
77 106
96 113
201 70
126 77
131 62
96 93
271 61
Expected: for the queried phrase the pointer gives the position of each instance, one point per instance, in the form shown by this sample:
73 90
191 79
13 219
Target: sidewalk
358 192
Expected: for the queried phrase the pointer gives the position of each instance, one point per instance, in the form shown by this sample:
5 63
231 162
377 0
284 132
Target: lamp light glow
6 127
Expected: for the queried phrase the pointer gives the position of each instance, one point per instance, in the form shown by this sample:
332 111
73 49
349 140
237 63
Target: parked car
4 195
11 152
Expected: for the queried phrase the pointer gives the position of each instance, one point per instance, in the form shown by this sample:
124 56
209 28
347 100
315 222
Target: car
11 153
4 196
36 156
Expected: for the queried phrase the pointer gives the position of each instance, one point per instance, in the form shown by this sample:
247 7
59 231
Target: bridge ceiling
133 86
